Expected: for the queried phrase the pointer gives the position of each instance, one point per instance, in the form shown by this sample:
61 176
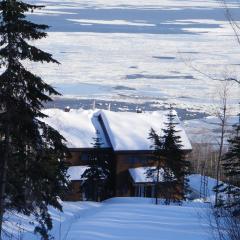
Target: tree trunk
3 177
157 183
223 125
218 168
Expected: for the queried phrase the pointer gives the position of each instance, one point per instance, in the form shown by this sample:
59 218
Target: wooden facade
123 161
123 152
80 157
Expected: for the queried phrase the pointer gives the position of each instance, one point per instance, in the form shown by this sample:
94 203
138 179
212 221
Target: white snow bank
121 218
195 183
197 187
130 131
18 226
140 220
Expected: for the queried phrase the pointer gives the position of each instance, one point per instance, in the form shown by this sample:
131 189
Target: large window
138 159
84 156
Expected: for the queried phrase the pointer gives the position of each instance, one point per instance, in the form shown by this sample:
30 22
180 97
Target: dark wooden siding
121 162
124 161
74 193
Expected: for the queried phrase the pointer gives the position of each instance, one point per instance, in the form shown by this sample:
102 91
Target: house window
85 156
137 159
133 159
142 190
145 159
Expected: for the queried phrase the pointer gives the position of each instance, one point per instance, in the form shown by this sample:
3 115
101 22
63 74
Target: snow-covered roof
75 172
130 131
78 126
139 175
123 131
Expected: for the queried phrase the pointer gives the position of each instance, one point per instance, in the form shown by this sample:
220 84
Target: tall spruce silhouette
231 167
98 173
169 157
155 172
33 172
176 167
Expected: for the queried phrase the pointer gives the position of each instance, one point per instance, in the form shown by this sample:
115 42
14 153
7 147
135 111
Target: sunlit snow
123 218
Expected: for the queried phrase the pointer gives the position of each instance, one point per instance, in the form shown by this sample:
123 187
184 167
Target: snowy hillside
140 50
127 218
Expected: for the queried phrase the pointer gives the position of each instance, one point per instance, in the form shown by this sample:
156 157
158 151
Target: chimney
94 104
67 109
109 107
139 110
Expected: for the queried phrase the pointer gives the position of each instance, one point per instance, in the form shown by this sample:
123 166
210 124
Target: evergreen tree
33 173
231 167
169 157
176 167
154 173
98 173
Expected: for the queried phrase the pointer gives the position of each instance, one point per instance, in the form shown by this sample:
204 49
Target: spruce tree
169 157
98 173
175 167
33 172
154 173
231 167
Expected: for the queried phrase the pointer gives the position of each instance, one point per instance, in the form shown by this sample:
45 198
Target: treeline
204 159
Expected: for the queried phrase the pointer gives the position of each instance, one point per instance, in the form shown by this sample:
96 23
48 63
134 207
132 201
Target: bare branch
209 76
231 20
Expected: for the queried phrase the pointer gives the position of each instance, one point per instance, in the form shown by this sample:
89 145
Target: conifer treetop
32 151
16 35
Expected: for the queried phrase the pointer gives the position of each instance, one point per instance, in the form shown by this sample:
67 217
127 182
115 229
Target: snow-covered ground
139 50
127 218
196 187
23 227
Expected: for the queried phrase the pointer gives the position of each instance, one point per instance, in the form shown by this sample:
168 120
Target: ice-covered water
151 49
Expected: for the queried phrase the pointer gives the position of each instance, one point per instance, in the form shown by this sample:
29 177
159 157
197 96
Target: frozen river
137 51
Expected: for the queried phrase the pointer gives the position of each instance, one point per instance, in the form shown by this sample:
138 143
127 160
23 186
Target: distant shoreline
120 106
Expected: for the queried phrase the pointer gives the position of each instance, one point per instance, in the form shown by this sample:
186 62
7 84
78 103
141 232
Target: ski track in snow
78 217
131 219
